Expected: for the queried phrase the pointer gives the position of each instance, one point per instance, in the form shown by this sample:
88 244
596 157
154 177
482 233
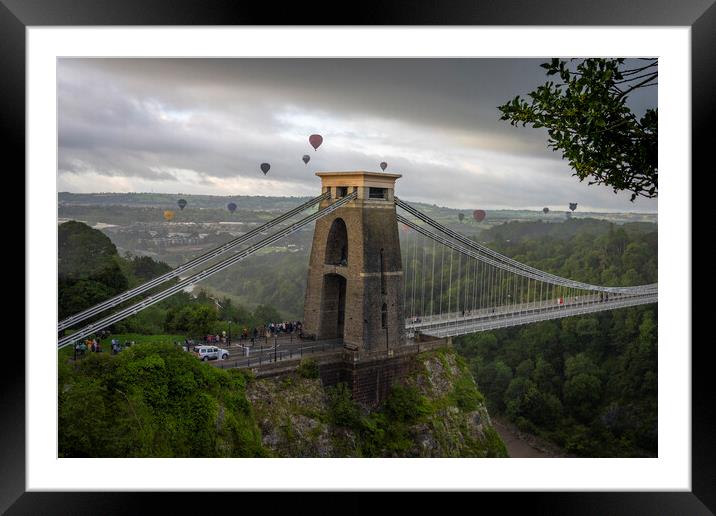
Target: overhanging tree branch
587 119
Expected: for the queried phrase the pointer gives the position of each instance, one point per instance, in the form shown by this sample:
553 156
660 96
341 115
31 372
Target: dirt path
522 445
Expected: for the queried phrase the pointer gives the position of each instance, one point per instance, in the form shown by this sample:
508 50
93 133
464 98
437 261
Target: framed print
97 51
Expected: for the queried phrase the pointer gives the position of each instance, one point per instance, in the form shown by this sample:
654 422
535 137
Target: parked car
205 353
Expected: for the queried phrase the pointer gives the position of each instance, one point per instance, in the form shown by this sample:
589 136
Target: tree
588 120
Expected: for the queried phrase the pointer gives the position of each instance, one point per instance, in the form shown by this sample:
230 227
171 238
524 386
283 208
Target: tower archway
333 306
337 243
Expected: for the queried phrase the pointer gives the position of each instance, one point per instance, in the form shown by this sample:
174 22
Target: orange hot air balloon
168 215
315 140
479 215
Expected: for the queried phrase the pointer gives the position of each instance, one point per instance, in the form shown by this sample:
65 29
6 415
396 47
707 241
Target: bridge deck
514 315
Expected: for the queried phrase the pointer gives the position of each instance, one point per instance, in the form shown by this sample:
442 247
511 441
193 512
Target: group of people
272 329
94 344
217 339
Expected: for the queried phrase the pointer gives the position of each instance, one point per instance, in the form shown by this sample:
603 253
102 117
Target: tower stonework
354 290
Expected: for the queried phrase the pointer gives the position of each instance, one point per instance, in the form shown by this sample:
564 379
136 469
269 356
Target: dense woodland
588 383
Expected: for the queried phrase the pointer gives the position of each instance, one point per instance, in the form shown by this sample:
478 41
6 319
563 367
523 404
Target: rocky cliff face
437 411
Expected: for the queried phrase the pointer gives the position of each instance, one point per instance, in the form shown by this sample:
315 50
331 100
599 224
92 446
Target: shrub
343 411
308 368
466 395
405 404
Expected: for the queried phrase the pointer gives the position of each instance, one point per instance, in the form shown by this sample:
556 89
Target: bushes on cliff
153 400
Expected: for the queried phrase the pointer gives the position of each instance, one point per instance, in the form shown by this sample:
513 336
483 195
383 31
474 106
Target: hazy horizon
466 209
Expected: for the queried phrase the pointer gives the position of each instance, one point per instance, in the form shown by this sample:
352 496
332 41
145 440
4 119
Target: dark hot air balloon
315 140
460 216
479 215
545 210
265 167
181 203
572 206
383 165
231 206
306 158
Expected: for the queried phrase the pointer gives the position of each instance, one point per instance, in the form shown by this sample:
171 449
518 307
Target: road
278 348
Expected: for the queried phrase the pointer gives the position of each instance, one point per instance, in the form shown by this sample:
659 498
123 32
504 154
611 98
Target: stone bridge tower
355 279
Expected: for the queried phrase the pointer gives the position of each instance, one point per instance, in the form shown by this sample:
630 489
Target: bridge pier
354 289
369 375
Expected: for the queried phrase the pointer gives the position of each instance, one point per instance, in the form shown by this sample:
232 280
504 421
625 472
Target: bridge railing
260 355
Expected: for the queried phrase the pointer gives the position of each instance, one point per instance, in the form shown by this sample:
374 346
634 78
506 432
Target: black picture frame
700 15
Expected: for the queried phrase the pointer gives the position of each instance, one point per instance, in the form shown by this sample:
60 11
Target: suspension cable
515 264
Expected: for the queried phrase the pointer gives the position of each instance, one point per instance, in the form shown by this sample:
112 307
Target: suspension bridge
383 275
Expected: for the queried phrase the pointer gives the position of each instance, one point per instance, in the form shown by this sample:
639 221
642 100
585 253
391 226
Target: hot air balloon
479 215
572 206
306 158
265 167
460 216
181 203
315 140
545 210
231 207
168 215
383 165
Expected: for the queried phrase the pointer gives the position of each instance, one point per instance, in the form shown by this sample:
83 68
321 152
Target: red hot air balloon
315 140
479 215
383 166
265 167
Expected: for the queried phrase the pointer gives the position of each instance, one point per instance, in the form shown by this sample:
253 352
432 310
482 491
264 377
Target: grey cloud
219 118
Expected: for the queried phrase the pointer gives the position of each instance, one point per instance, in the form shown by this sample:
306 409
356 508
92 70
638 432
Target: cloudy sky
203 126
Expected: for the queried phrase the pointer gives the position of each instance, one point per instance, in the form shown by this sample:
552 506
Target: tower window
341 191
377 193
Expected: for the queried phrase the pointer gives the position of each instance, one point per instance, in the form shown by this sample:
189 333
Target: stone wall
369 375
